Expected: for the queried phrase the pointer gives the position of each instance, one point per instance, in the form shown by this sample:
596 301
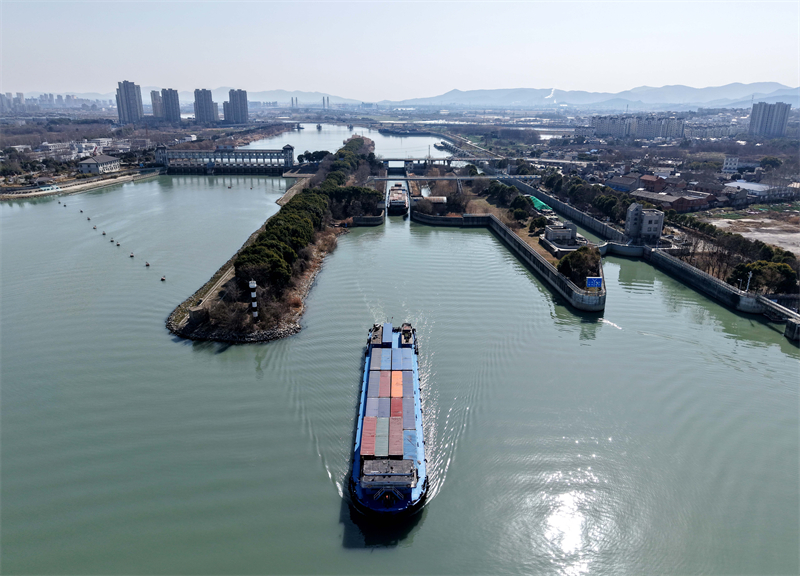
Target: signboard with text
594 282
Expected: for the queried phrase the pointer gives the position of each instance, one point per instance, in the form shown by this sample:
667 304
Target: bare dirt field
780 229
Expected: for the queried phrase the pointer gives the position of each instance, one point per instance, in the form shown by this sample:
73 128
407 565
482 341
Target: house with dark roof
623 183
101 164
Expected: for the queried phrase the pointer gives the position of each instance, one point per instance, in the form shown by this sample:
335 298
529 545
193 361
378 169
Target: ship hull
388 476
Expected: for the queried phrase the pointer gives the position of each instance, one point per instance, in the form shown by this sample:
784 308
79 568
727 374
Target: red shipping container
368 446
385 384
368 436
395 436
397 407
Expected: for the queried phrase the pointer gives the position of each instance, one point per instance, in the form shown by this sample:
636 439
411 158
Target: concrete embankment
294 189
370 220
78 187
708 285
697 279
580 299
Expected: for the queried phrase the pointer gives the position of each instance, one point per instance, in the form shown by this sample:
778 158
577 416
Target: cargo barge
397 204
389 474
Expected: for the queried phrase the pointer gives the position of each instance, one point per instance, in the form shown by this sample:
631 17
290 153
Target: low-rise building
645 224
623 183
563 233
682 203
730 165
652 183
99 165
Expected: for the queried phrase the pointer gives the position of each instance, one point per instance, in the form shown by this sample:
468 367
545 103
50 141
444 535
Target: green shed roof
538 204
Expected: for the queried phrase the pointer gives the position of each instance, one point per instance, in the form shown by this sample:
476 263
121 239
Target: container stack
390 424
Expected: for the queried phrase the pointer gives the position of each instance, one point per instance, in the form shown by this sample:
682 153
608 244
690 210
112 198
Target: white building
99 165
563 233
644 224
730 165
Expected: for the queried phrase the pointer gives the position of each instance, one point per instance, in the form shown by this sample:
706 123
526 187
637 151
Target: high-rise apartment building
235 109
157 103
172 105
205 109
129 102
769 119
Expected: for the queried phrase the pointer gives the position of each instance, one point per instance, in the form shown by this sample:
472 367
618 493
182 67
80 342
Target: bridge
226 160
431 159
478 177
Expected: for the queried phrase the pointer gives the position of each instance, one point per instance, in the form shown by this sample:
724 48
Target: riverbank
77 188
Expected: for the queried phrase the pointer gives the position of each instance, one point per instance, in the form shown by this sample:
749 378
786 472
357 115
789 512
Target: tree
770 162
767 277
537 224
578 265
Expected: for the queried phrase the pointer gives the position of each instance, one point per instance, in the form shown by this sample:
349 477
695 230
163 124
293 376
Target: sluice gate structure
226 160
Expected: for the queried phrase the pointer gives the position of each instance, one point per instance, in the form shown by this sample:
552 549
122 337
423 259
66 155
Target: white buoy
252 285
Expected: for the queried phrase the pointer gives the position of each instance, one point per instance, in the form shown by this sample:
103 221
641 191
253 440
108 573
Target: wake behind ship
389 469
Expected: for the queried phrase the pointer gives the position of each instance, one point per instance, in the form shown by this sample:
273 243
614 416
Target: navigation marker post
253 297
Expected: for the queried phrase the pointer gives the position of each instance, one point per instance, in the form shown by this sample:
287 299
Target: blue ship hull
389 476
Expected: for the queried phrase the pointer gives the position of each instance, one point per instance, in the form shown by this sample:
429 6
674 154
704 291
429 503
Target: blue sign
594 282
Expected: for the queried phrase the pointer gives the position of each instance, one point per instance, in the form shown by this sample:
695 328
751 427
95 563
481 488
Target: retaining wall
369 220
621 250
705 283
593 224
578 298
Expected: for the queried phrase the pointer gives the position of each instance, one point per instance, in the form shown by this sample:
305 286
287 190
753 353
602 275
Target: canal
658 437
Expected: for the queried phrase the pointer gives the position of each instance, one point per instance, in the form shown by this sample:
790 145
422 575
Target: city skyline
510 45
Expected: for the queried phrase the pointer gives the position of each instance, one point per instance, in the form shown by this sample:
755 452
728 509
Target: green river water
659 437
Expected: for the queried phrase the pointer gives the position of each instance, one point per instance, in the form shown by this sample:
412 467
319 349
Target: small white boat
131 254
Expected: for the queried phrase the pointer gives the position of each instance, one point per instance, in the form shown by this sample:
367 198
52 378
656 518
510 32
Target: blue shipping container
375 359
373 387
387 335
372 407
409 444
386 358
397 359
409 421
408 362
408 390
384 408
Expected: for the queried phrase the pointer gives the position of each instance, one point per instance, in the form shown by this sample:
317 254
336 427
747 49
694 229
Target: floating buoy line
112 241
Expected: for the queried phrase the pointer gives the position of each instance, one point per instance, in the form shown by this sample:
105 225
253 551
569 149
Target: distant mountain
641 98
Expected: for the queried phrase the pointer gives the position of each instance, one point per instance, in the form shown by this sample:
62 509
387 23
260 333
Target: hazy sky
396 50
